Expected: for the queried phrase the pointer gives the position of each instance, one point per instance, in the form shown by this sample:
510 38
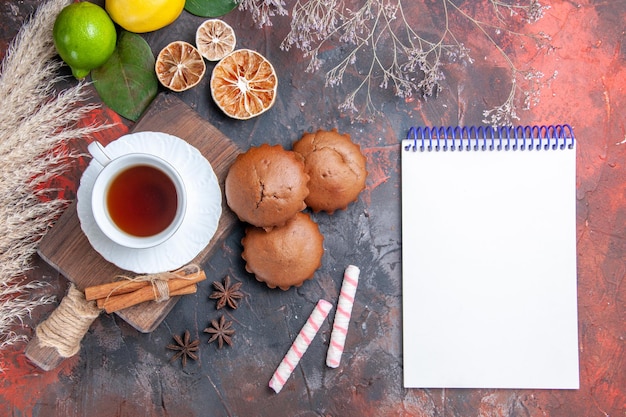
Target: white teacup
138 199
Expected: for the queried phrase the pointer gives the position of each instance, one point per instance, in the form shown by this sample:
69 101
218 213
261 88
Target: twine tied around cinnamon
64 329
159 280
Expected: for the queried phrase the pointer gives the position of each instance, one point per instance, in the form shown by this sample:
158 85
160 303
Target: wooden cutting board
68 250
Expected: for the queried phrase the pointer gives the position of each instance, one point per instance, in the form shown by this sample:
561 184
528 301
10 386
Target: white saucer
204 205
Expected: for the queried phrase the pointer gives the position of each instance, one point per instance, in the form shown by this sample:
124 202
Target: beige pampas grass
34 119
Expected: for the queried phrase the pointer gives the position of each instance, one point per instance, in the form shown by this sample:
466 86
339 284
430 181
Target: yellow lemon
142 16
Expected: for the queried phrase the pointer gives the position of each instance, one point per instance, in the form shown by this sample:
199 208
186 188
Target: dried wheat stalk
34 119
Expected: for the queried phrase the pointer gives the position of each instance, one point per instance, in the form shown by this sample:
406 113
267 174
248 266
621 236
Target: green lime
84 36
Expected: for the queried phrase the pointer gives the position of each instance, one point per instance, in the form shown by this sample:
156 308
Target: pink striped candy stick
300 345
342 316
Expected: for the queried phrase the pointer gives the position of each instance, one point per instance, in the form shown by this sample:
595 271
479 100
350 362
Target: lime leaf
127 82
210 8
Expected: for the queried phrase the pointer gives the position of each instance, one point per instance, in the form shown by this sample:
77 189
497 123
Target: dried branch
385 51
263 10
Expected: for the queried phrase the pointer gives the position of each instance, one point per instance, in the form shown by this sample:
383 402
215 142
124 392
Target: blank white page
489 269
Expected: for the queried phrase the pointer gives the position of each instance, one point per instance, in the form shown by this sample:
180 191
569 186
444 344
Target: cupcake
285 256
266 186
336 169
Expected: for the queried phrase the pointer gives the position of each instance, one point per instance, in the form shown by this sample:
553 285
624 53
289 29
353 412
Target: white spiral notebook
489 258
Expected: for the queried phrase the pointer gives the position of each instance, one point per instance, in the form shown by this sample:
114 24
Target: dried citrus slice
179 66
215 39
243 84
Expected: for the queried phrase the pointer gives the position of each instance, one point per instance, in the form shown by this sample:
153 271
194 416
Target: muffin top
336 168
285 256
266 186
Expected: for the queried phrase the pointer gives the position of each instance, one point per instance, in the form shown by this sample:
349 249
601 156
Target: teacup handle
98 153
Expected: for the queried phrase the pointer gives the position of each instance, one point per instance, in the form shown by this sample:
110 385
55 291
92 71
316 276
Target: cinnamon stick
146 293
113 303
113 288
123 287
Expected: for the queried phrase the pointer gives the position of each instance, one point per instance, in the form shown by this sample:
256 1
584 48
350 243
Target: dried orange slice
179 66
244 84
215 39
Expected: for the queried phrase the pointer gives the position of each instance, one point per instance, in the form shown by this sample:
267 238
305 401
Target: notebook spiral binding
472 138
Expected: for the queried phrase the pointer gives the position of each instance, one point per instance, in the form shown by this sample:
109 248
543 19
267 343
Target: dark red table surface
120 372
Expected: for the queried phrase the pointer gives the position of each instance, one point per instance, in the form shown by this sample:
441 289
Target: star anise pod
226 294
184 348
220 331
